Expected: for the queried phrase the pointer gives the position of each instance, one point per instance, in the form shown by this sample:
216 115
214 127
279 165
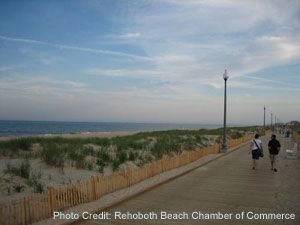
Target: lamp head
225 75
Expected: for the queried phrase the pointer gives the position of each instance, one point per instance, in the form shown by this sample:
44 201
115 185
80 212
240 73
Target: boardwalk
226 185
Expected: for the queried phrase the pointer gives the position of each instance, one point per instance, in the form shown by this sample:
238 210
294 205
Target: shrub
80 164
18 188
189 144
100 169
128 142
100 163
61 169
79 159
90 165
148 158
34 182
23 144
3 150
198 138
104 156
52 154
103 160
122 157
132 156
22 171
162 146
99 141
115 165
38 187
8 189
17 144
88 150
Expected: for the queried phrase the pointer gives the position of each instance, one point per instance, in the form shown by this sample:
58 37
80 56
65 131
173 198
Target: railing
37 207
296 137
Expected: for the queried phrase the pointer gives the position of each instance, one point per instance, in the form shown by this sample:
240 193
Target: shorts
255 154
273 157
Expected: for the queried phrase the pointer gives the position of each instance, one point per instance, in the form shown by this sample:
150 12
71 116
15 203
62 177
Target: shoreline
103 134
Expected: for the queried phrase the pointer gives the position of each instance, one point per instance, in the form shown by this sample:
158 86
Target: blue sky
149 60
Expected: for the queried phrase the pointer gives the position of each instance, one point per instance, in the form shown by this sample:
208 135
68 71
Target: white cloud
42 82
217 34
10 67
76 48
124 73
130 35
39 56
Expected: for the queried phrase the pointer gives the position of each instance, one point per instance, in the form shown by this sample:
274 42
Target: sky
149 60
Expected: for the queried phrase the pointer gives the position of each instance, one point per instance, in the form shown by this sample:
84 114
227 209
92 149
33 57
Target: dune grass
140 148
24 170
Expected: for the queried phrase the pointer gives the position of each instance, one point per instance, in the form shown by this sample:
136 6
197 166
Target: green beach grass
142 147
24 157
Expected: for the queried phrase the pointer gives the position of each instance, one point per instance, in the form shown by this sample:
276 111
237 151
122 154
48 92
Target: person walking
255 147
274 148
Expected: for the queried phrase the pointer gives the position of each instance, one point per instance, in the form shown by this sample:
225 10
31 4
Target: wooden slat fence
37 207
296 137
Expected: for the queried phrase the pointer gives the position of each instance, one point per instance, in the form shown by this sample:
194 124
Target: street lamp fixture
225 75
224 145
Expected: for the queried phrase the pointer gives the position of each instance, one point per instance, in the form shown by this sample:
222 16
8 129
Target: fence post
22 211
11 214
94 192
52 200
1 214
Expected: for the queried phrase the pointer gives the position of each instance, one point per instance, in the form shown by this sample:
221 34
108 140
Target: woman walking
255 147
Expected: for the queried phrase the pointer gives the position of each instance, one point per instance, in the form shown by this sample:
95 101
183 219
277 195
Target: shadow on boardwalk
226 185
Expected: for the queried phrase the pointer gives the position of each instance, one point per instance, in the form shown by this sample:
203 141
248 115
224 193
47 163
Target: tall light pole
271 120
264 116
224 145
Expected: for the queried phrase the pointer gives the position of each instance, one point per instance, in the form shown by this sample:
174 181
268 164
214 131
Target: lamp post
272 121
224 145
264 116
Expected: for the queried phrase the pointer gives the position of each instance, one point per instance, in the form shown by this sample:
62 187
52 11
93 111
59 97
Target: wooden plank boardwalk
226 185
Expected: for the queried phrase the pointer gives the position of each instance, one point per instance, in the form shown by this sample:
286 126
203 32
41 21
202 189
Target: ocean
12 128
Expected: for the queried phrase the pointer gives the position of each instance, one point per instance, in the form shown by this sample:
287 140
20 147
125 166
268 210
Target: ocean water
10 128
